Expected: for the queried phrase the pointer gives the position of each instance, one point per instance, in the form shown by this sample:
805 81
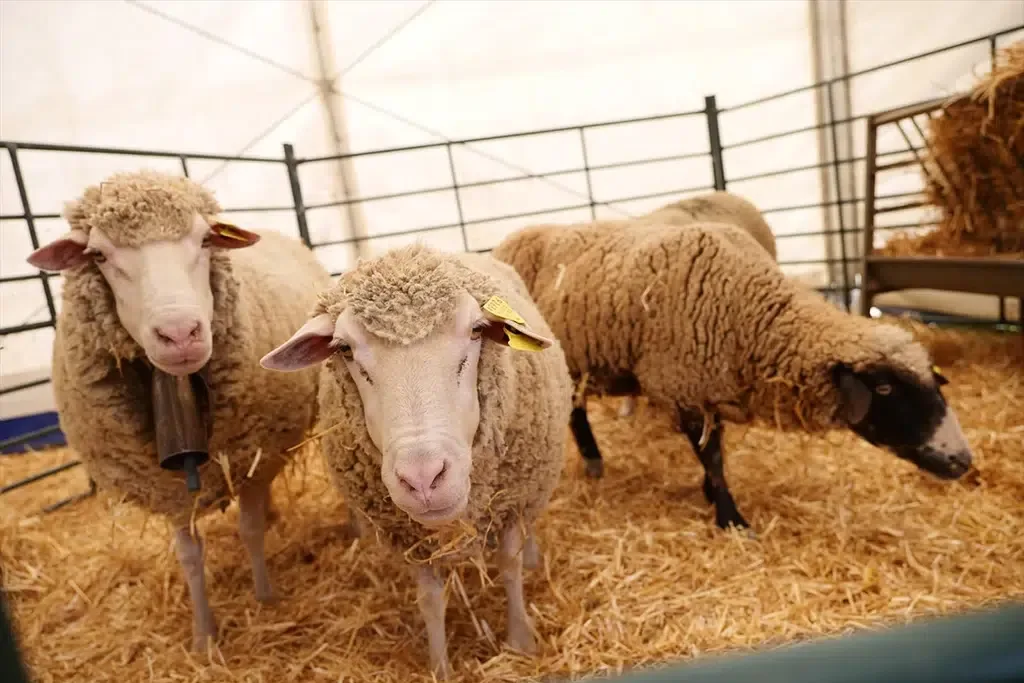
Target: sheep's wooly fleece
634 571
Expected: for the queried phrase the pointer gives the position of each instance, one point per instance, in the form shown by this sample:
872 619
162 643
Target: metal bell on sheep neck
183 421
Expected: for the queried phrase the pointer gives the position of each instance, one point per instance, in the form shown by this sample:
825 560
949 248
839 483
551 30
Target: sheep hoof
442 670
735 519
522 640
202 642
595 468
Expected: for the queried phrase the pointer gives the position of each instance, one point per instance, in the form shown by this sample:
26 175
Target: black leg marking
585 442
716 490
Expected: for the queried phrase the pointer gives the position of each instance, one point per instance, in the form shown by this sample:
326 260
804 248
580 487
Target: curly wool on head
524 398
135 208
402 298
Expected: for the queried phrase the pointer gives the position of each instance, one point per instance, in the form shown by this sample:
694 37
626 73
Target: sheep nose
422 477
959 461
178 333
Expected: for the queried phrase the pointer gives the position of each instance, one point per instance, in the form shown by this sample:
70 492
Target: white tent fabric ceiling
234 76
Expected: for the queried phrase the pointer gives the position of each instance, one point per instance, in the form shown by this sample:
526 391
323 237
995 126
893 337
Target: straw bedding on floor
634 573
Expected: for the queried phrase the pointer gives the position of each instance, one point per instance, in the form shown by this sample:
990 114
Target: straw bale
974 169
634 571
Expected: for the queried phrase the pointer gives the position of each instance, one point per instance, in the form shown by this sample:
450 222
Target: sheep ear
67 251
312 344
854 395
513 335
505 326
227 236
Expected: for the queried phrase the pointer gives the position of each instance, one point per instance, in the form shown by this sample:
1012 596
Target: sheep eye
345 351
476 333
206 241
883 389
98 257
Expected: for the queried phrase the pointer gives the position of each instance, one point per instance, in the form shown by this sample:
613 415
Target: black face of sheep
894 409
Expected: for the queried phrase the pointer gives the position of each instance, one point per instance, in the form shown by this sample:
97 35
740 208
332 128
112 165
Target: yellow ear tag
496 306
522 342
936 369
225 230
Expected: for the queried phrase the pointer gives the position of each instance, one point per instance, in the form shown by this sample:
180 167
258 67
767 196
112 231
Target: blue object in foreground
980 647
30 432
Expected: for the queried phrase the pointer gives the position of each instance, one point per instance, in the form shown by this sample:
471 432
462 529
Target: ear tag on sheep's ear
514 327
497 307
228 236
521 342
229 231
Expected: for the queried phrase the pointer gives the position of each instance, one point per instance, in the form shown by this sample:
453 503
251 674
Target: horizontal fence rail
839 289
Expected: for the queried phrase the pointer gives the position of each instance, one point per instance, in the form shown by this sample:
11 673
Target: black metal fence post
184 165
715 141
837 177
12 150
293 179
458 199
586 173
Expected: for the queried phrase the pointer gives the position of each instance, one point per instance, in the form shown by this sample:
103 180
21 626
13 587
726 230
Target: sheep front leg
431 601
253 509
716 491
189 550
531 553
510 562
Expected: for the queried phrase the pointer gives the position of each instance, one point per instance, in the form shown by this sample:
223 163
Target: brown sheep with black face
700 321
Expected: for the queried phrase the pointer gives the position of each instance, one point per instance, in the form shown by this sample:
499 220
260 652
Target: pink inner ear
299 353
309 346
59 255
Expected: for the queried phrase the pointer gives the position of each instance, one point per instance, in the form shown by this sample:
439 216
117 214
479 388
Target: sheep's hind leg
431 601
253 502
510 562
585 441
190 555
716 490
